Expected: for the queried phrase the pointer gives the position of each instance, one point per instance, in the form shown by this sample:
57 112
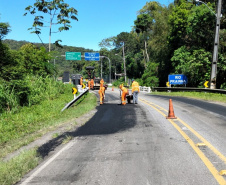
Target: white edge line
46 164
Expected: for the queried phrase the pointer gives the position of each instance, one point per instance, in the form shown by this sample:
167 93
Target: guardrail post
149 89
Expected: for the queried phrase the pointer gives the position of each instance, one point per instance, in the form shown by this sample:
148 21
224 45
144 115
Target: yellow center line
221 156
202 156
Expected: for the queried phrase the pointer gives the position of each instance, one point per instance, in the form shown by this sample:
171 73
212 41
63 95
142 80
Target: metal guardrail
221 91
145 89
74 100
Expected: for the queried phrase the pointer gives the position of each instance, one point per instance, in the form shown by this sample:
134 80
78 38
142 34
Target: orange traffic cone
171 111
112 88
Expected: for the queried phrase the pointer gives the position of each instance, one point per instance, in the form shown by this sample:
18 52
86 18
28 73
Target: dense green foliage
177 39
57 54
18 71
30 91
4 29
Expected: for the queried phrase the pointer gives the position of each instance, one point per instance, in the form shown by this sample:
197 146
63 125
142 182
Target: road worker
124 93
81 80
135 91
101 93
102 82
91 83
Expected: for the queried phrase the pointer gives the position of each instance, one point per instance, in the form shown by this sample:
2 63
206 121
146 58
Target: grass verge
14 169
30 123
196 95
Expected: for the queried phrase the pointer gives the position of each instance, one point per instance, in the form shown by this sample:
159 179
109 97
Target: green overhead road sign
73 55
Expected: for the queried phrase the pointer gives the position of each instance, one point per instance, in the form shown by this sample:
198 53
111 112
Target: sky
97 20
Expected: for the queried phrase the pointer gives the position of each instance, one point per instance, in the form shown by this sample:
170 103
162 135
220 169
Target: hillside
60 62
15 45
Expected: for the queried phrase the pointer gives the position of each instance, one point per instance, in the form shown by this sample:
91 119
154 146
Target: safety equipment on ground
74 90
171 111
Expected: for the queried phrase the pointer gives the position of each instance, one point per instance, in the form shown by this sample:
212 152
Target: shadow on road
109 118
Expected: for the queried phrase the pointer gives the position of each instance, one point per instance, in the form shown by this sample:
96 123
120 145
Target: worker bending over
135 91
124 93
101 93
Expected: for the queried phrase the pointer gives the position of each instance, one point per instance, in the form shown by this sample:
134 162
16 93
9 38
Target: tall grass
27 92
43 89
25 125
8 99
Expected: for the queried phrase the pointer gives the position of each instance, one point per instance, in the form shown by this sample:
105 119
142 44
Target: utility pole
213 78
101 68
109 67
123 53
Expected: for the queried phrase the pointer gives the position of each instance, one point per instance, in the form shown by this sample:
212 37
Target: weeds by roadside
23 127
196 95
29 123
13 170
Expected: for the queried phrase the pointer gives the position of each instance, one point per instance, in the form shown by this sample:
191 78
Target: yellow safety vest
135 87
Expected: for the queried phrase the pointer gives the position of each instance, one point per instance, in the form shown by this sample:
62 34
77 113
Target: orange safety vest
101 93
123 96
92 83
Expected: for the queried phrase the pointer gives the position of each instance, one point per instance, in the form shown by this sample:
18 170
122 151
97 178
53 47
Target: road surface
137 145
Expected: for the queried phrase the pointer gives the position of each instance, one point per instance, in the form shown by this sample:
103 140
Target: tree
142 26
157 30
59 14
195 64
107 43
35 60
4 29
10 65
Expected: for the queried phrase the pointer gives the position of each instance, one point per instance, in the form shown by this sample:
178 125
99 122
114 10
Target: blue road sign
178 79
92 56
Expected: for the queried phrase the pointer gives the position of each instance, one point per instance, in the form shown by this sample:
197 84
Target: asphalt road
137 145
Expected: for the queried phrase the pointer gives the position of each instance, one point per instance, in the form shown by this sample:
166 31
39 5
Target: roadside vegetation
215 97
28 123
31 101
